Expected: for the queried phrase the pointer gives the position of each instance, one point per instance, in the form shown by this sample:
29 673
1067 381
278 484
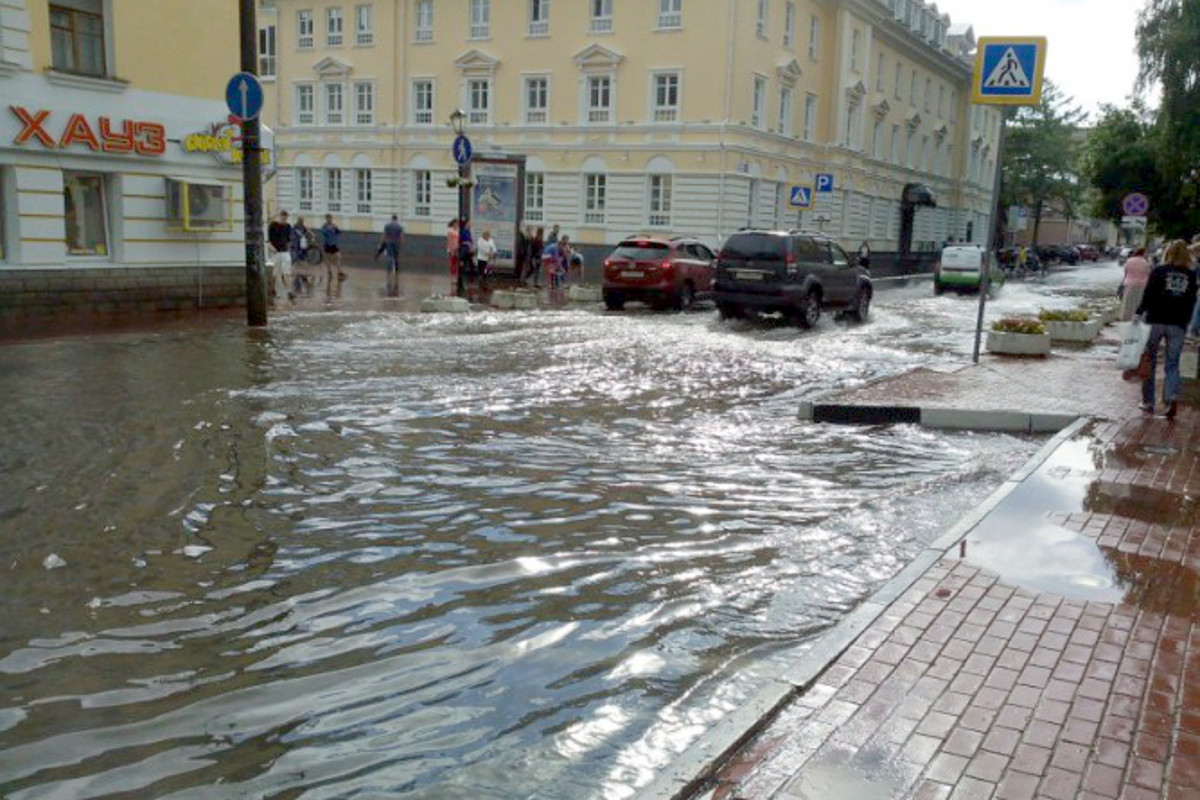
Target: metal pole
464 213
985 282
256 286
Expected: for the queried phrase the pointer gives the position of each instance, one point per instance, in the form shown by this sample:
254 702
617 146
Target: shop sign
129 136
223 140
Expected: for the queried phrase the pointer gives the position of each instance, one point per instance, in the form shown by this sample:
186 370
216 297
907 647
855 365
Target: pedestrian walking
390 243
552 237
466 250
279 234
452 239
1167 307
533 269
485 255
1133 284
331 244
864 253
301 240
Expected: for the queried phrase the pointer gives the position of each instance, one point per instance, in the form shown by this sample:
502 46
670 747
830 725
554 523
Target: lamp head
456 120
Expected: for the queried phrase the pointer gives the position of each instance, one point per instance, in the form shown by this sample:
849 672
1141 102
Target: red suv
664 271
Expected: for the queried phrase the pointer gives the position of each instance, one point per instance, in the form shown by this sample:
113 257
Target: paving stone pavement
1054 653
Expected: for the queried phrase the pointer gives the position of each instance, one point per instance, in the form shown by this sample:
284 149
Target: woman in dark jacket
1167 307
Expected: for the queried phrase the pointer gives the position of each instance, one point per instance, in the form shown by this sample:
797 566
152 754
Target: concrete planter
1018 344
524 300
1063 331
584 294
446 305
503 299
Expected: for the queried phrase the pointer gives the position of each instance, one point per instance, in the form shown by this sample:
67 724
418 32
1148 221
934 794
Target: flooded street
509 554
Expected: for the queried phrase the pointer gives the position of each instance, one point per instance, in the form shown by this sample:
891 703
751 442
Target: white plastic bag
1134 336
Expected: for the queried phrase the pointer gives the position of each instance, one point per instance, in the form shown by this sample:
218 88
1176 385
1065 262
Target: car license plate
745 275
632 273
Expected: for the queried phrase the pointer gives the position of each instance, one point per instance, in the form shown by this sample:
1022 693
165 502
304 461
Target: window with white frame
789 25
810 117
333 190
305 107
304 188
879 72
760 24
895 150
364 29
537 100
928 95
424 28
899 80
364 103
362 191
266 51
910 150
666 97
758 111
855 48
601 20
853 117
481 19
304 29
333 26
876 138
77 37
422 102
334 104
814 38
479 101
786 111
912 89
595 188
86 213
599 98
535 196
539 17
659 189
422 193
670 13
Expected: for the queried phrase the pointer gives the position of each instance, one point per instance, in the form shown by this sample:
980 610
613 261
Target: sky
1092 44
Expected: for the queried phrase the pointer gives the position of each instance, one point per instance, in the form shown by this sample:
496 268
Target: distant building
117 188
672 115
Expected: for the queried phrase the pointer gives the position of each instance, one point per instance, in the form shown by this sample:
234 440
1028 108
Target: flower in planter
1019 325
1057 315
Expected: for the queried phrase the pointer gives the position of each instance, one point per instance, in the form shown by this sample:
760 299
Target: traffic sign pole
256 285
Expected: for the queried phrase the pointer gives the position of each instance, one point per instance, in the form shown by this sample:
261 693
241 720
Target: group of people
539 257
1164 297
291 245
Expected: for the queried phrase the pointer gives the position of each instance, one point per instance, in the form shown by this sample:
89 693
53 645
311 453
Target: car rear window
641 251
755 246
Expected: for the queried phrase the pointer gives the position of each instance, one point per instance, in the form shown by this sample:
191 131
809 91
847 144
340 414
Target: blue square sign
801 196
1009 70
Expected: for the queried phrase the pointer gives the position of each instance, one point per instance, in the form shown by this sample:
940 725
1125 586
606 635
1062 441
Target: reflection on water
504 555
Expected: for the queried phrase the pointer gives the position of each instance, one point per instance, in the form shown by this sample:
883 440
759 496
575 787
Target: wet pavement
377 552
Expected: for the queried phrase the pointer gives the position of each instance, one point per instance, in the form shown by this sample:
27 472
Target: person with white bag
1167 306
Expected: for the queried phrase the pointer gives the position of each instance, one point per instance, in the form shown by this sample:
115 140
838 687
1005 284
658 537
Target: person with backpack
1167 307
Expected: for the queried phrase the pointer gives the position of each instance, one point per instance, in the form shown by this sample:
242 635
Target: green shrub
1019 325
1056 315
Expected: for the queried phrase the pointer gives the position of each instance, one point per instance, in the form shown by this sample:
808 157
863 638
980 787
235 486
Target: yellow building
117 184
692 116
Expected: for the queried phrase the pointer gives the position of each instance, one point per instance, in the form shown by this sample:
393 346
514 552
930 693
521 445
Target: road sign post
244 96
824 182
243 86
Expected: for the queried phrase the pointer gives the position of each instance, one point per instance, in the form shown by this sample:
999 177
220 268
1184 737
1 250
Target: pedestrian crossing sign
802 197
1009 70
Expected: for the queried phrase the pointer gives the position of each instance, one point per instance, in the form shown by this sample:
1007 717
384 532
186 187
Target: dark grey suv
794 272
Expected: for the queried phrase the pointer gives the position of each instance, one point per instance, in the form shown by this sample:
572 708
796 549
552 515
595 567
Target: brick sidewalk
978 682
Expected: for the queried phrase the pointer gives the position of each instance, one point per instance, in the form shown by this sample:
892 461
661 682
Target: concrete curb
936 417
690 772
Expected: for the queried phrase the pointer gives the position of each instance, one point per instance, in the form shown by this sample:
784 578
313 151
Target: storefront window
86 216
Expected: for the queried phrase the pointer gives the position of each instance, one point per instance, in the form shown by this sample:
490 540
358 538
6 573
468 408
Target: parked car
1087 252
961 268
664 271
793 272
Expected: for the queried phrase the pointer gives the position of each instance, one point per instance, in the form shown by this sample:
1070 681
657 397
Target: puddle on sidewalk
869 774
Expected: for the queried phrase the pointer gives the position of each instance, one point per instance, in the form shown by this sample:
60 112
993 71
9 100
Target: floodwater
506 555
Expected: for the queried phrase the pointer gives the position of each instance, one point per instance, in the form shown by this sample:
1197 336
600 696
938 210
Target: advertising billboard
496 204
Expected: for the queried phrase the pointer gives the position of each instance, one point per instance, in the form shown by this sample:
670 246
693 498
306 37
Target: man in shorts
279 234
331 241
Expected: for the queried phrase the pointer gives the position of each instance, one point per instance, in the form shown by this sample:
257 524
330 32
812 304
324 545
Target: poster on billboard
496 204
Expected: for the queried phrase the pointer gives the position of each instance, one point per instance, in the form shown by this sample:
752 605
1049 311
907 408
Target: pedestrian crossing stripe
1009 70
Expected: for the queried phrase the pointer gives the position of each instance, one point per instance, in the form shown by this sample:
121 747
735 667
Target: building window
539 17
670 13
422 102
362 191
481 19
266 51
879 70
364 31
912 89
86 214
928 95
758 111
876 139
601 18
853 115
910 150
304 188
785 111
660 201
899 79
77 38
895 151
789 25
333 190
760 25
479 101
810 117
424 21
666 97
941 101
422 193
535 196
334 104
364 103
752 201
305 113
599 98
197 206
537 101
595 189
304 30
814 38
333 27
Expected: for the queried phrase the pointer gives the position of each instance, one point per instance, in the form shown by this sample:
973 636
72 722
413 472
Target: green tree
1040 156
1119 157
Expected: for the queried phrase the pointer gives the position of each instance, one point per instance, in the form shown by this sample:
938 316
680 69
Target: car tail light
793 267
664 264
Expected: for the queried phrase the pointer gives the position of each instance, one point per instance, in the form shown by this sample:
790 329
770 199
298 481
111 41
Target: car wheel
685 298
730 311
614 301
810 309
862 304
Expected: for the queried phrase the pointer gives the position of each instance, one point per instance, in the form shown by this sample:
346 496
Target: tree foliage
1120 157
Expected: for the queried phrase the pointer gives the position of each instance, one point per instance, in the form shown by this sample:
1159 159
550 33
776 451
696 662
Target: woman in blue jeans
1167 307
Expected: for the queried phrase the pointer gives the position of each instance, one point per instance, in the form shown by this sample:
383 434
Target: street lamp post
457 120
